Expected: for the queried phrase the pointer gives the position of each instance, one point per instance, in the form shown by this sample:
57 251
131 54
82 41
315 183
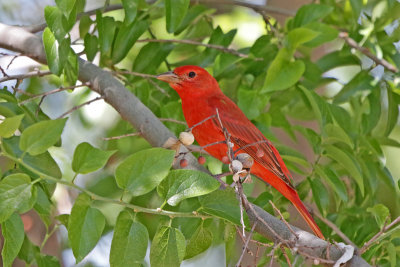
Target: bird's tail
290 194
295 199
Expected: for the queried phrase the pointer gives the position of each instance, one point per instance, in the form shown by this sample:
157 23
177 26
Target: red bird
201 97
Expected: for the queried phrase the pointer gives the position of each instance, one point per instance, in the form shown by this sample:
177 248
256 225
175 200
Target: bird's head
190 81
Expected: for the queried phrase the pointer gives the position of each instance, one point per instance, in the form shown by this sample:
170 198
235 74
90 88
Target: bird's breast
206 132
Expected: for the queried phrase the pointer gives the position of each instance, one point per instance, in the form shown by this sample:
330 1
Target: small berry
236 166
183 163
260 153
186 138
201 160
225 160
316 261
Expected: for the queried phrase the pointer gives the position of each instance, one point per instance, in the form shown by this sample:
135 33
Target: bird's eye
192 74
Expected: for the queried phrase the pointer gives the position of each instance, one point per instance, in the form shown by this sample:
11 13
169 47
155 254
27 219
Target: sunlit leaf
89 159
182 184
143 171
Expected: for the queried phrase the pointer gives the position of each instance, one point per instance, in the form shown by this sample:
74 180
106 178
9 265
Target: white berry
186 138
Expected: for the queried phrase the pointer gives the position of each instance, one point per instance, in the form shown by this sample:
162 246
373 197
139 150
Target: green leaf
43 163
53 16
43 206
370 120
13 234
143 171
91 46
130 241
381 213
356 7
223 204
130 8
150 57
126 38
85 227
310 13
200 241
336 59
175 11
84 25
51 48
168 248
183 184
393 111
325 34
194 12
283 73
361 82
107 29
333 180
89 159
299 36
336 134
250 102
63 218
392 254
318 106
28 251
46 261
37 138
348 163
321 195
15 192
71 68
10 125
217 38
66 6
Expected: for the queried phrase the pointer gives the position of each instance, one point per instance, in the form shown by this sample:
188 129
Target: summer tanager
201 98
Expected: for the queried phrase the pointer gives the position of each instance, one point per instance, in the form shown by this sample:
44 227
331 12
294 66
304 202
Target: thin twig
335 229
24 76
285 255
11 61
385 228
271 9
79 106
283 219
191 42
351 42
246 245
3 72
158 87
121 136
272 253
143 75
42 95
173 120
17 90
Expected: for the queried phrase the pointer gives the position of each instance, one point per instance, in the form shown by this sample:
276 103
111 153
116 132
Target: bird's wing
249 139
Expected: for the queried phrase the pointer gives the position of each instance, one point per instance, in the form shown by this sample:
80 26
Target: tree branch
153 130
351 42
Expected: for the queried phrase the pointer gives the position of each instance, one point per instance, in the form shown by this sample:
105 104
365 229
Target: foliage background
331 111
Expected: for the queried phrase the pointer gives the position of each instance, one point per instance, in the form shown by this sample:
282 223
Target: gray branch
151 128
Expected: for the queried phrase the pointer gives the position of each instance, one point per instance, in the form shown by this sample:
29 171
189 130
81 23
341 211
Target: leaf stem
94 196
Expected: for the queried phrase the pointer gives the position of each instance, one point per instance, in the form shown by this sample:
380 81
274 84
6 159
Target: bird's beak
169 77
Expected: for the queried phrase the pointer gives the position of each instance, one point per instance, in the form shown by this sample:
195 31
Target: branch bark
153 130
